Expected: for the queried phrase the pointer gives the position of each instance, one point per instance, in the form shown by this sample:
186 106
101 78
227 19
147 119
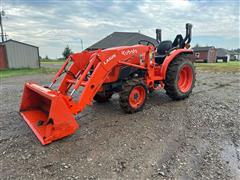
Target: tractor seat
162 50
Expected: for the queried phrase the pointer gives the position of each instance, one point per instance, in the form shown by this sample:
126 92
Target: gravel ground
198 138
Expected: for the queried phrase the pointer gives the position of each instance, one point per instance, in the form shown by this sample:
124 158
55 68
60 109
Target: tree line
65 54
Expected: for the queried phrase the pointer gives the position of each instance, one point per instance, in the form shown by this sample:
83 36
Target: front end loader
130 71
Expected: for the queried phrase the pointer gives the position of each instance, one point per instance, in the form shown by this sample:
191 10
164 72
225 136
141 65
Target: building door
212 56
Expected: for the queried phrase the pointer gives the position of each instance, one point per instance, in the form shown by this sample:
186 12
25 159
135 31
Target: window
197 55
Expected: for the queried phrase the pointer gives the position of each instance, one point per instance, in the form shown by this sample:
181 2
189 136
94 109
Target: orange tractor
130 71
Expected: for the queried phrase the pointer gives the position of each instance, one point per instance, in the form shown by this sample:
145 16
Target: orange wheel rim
185 78
137 96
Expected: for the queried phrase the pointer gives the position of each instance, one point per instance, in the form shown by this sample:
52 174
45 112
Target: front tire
180 78
133 96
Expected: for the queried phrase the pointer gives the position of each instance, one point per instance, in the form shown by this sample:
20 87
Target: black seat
162 50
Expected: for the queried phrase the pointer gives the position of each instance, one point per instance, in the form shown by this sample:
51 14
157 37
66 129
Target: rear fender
170 58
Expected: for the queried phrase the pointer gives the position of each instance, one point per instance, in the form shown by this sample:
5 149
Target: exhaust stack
158 35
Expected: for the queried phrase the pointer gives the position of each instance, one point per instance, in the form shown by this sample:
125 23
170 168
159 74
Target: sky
53 24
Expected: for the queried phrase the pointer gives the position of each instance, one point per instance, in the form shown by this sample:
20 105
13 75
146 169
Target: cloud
52 25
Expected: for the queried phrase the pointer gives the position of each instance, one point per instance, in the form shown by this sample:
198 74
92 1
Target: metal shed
223 55
19 55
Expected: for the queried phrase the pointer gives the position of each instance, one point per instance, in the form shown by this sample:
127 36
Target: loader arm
50 111
104 61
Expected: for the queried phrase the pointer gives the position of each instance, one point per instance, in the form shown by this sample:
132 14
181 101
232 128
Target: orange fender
170 58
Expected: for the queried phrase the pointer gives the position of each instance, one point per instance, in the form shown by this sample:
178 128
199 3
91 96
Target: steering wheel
146 41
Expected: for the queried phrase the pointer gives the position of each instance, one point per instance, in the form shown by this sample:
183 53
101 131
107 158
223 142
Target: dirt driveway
198 138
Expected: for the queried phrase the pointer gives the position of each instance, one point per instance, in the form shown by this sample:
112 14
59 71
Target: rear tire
180 78
133 96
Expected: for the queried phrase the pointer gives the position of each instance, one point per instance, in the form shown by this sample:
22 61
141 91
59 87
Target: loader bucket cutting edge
46 113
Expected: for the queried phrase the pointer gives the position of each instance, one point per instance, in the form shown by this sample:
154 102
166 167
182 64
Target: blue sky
53 24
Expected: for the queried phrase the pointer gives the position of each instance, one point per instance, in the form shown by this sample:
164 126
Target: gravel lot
198 138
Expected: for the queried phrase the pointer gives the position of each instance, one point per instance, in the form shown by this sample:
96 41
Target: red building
204 54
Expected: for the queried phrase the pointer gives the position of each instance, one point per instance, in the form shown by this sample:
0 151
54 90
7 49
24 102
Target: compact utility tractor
130 71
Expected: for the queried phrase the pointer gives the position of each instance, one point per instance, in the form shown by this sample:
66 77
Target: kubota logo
129 51
109 59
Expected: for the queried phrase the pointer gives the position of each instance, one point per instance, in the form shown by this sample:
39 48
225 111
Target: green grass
232 66
25 71
215 67
52 62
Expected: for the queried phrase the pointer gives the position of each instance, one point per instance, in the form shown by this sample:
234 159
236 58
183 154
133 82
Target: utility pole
81 43
2 13
6 36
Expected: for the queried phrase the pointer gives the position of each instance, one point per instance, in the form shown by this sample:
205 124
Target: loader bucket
47 114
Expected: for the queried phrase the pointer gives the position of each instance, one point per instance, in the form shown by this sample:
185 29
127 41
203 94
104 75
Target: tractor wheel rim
137 96
185 79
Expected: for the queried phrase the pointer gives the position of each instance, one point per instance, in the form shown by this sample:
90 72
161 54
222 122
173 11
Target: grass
25 71
53 62
215 67
232 66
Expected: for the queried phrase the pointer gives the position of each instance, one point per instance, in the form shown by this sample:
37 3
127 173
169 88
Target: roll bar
179 41
188 36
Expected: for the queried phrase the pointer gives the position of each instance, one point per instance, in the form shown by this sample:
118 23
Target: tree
67 52
197 45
